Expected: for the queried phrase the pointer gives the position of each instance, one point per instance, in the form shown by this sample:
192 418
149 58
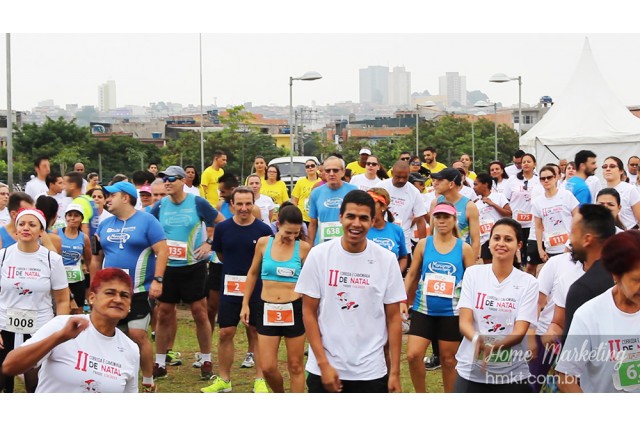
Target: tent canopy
588 116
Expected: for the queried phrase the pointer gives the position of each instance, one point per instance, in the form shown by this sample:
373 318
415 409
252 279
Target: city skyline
67 68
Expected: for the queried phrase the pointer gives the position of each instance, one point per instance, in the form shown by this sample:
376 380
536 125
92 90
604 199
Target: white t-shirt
364 183
512 170
406 203
353 290
104 215
191 190
548 279
629 197
35 187
89 363
489 215
603 347
594 184
468 192
427 198
26 282
520 199
564 282
63 202
555 213
265 203
500 187
5 218
496 308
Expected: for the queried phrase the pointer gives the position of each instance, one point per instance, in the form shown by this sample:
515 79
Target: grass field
186 379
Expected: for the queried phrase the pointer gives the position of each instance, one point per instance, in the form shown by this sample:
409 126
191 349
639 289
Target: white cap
365 151
74 207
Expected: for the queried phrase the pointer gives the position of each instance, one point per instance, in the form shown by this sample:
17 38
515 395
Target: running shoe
198 362
431 363
173 358
159 371
149 388
217 386
248 361
260 386
206 371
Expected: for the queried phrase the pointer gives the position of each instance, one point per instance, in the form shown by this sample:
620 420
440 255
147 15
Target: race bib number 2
234 285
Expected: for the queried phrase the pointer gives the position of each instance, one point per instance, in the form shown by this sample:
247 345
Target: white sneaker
248 361
198 362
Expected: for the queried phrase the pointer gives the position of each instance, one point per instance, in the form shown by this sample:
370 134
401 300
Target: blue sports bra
281 271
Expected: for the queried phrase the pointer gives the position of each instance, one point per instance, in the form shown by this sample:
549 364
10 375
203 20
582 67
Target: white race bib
278 314
234 285
330 230
74 273
177 250
21 321
439 285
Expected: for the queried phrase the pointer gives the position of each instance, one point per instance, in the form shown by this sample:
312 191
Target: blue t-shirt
7 239
225 209
182 223
580 189
463 221
324 205
391 237
237 244
127 245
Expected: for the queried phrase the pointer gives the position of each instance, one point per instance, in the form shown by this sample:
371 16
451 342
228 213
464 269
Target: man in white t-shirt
4 200
516 167
56 190
406 204
38 184
632 169
351 291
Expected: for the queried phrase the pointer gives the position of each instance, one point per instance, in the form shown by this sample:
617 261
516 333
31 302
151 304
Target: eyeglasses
547 178
415 163
310 166
330 170
612 166
172 178
406 159
4 194
371 164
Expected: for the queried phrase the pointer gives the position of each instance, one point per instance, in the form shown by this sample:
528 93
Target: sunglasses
609 166
406 159
172 178
415 163
547 178
310 166
331 170
526 185
371 164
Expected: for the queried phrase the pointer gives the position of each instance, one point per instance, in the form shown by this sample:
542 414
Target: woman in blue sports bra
278 259
435 279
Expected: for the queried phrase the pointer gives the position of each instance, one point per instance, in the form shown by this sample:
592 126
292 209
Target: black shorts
214 278
485 253
78 290
533 256
433 328
9 344
295 330
379 385
229 312
140 308
186 284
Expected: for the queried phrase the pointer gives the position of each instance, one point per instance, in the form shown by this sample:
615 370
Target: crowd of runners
520 278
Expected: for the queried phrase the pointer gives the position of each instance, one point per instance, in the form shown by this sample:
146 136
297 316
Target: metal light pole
201 114
309 75
473 145
502 78
483 104
9 118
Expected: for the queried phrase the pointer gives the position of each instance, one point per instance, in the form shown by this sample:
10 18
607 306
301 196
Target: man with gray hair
325 202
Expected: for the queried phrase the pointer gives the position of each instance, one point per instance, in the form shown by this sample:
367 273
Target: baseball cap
450 174
444 208
145 189
365 151
125 187
173 171
74 207
416 177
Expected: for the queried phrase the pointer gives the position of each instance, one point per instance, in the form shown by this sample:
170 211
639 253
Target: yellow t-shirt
278 192
472 175
302 191
209 184
356 168
438 167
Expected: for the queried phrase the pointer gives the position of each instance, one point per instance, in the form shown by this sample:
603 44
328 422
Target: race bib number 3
439 285
234 285
21 321
177 250
278 314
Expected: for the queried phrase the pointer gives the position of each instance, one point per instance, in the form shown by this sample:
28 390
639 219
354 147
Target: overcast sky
243 60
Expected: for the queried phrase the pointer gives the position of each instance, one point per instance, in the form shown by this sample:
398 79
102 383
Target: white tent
587 117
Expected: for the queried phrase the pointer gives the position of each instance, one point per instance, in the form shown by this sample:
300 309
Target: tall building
374 85
399 87
453 86
107 96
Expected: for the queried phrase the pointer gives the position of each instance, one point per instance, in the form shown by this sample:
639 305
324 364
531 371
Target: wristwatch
158 279
209 241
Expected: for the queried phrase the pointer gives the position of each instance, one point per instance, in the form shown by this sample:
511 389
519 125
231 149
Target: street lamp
426 104
309 75
483 104
503 78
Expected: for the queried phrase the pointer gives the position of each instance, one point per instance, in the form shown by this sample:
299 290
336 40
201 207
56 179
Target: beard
578 256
